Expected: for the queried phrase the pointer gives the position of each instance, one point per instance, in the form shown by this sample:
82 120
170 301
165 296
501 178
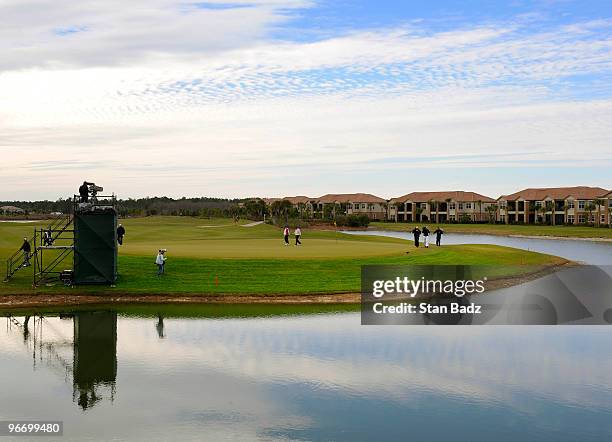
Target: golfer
27 249
161 262
426 236
120 234
417 233
298 234
286 235
438 232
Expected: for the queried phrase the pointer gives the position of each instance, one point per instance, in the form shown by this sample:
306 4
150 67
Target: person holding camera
161 261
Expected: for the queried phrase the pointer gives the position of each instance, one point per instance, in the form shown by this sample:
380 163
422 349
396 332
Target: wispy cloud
206 84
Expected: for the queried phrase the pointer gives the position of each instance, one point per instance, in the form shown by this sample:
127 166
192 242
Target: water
189 373
589 252
317 377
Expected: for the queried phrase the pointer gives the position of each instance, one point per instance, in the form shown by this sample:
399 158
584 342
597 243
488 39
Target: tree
599 202
281 208
479 202
565 209
418 211
550 207
590 206
491 210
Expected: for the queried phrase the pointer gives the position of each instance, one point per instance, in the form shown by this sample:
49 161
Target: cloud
199 94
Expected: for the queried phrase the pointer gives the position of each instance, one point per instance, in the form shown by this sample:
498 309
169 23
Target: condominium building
556 205
351 204
441 207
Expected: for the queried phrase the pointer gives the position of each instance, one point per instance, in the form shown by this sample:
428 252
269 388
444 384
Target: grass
505 229
230 259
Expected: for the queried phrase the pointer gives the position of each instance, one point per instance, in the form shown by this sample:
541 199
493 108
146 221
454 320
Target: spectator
120 234
27 249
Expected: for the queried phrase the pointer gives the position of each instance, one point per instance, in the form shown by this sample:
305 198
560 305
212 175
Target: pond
157 376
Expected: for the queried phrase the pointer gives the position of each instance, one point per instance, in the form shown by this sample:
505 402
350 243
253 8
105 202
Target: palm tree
430 205
418 212
550 206
301 207
590 206
491 211
539 210
599 202
479 202
610 217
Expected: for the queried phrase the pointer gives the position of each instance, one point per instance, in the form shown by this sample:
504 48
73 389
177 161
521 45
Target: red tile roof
350 197
456 195
539 194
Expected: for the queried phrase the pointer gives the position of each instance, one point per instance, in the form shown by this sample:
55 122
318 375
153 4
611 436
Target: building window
570 219
581 219
370 206
538 203
581 204
502 204
570 204
460 206
451 206
349 206
502 218
451 217
424 206
603 218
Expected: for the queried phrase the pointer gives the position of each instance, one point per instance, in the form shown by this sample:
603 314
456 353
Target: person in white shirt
161 262
298 234
286 235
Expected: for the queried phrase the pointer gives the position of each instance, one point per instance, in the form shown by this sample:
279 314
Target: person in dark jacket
438 232
27 249
417 234
84 191
120 234
426 236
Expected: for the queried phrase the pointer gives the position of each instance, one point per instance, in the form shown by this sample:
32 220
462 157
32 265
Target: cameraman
84 191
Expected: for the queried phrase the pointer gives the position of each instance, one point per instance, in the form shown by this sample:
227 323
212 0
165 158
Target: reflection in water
95 357
94 351
320 377
160 327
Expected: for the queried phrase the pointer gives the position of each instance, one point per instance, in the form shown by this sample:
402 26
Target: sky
303 97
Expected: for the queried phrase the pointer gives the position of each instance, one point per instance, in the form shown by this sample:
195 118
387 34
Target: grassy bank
219 257
276 276
505 230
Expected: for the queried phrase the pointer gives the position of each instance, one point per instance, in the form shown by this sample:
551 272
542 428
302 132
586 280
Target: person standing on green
438 232
161 262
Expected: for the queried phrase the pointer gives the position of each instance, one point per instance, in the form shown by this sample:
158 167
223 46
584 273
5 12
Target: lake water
158 373
589 252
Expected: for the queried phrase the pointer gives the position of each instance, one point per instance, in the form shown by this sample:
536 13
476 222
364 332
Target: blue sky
273 98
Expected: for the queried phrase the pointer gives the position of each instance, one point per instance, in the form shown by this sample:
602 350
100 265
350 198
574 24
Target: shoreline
62 300
507 235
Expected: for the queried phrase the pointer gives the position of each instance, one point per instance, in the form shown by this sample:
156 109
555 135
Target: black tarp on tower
95 246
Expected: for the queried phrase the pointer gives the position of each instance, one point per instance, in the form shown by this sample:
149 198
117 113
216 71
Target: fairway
222 257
